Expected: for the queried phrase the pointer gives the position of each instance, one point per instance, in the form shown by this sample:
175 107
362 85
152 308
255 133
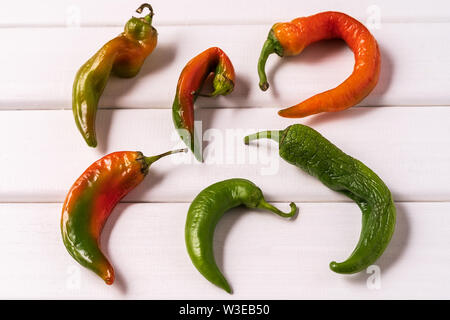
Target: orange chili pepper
290 38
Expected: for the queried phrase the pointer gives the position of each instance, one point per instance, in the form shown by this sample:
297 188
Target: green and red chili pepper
192 78
124 57
91 200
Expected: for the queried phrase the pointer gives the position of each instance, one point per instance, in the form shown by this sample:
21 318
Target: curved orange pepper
290 38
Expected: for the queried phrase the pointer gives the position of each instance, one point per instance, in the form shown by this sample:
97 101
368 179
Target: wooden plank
103 12
51 56
263 256
43 153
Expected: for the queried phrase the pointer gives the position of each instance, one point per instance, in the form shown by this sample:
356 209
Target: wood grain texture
412 68
104 12
263 256
406 146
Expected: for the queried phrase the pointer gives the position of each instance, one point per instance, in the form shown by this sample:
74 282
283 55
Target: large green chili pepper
204 214
307 149
124 56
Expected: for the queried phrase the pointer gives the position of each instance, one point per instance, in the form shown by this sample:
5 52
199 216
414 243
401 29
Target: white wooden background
401 131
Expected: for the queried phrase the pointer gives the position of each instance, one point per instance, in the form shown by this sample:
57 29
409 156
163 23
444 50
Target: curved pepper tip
196 148
92 144
108 276
91 139
289 113
343 268
333 265
109 281
225 286
336 267
199 157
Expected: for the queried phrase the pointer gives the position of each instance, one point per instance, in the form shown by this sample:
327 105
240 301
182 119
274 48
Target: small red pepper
290 38
92 198
194 74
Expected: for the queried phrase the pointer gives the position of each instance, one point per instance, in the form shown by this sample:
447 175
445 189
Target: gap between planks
199 24
275 109
183 202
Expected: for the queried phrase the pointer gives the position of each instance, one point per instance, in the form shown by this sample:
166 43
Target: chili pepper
194 74
307 149
123 56
91 200
204 214
288 39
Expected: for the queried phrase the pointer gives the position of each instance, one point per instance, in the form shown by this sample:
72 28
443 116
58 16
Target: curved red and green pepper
192 78
91 200
204 214
123 56
307 149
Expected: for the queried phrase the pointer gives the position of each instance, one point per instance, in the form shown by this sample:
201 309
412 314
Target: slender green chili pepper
190 82
91 200
307 149
124 56
204 214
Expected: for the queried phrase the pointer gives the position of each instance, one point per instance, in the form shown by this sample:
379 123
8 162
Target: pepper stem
272 45
148 17
265 205
267 50
269 134
150 160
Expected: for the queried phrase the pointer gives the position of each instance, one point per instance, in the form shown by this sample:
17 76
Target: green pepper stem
148 17
272 45
269 134
150 160
265 205
268 49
